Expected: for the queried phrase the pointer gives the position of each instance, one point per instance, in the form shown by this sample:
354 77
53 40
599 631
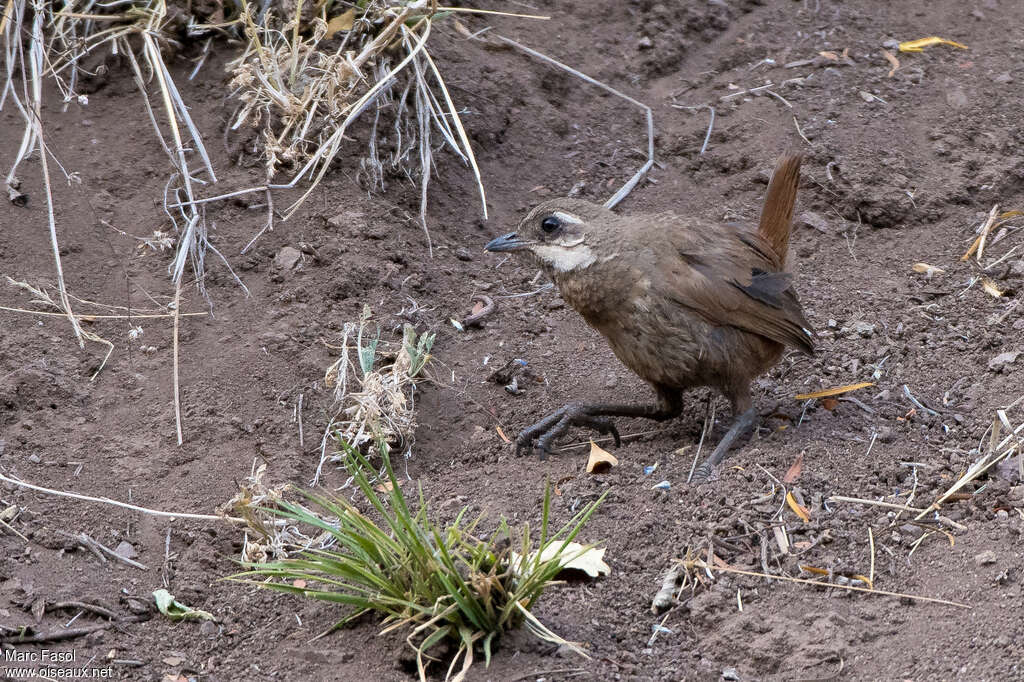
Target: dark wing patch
766 287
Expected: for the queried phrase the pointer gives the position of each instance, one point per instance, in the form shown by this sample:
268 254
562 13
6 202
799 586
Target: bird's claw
551 427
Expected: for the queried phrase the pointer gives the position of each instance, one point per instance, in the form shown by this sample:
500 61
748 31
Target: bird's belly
680 349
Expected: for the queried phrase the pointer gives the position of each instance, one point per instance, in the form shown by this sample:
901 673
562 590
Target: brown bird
683 302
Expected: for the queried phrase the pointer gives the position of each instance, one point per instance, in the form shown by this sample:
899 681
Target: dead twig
63 635
115 503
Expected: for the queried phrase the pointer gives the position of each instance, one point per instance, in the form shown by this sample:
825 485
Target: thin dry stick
979 244
89 541
852 588
4 524
639 175
871 541
876 503
802 136
177 394
36 54
89 316
115 503
711 123
708 423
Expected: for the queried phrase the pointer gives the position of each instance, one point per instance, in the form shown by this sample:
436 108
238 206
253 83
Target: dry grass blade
804 581
32 112
997 452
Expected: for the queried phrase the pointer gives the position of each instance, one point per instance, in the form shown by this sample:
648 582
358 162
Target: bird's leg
743 423
745 420
595 415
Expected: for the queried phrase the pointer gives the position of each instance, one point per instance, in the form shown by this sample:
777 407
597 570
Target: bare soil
901 168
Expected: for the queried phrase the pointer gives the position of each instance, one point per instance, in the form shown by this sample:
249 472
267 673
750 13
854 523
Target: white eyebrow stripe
567 218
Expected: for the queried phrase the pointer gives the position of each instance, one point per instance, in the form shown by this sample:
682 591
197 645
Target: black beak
506 242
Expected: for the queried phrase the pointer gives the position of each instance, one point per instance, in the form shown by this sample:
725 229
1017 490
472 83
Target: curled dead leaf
797 508
892 60
600 460
794 470
573 557
925 269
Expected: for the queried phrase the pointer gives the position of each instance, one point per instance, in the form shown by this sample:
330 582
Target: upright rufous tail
777 214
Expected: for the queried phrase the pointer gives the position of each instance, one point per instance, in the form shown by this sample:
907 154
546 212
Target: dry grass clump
374 409
302 83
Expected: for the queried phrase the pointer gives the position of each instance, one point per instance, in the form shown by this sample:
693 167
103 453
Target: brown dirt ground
899 179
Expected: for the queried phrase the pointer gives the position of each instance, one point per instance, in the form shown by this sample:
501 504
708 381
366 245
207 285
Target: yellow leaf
834 391
342 22
864 579
797 508
814 570
921 43
600 460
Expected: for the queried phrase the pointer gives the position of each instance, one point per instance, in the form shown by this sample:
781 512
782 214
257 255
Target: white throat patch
566 259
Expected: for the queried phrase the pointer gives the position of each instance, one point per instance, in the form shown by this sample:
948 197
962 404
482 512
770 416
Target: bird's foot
744 423
542 435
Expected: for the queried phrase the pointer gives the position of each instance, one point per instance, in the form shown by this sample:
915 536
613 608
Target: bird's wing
730 276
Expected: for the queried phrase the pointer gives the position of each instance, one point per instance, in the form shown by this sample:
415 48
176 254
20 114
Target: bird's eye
550 224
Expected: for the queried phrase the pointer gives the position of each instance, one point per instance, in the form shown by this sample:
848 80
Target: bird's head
559 235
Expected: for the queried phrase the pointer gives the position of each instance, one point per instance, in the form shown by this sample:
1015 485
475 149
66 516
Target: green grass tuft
445 586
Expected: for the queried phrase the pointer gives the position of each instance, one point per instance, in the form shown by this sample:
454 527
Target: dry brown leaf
600 460
925 268
829 403
502 435
462 30
828 54
342 22
719 562
794 470
386 486
797 508
892 60
828 392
